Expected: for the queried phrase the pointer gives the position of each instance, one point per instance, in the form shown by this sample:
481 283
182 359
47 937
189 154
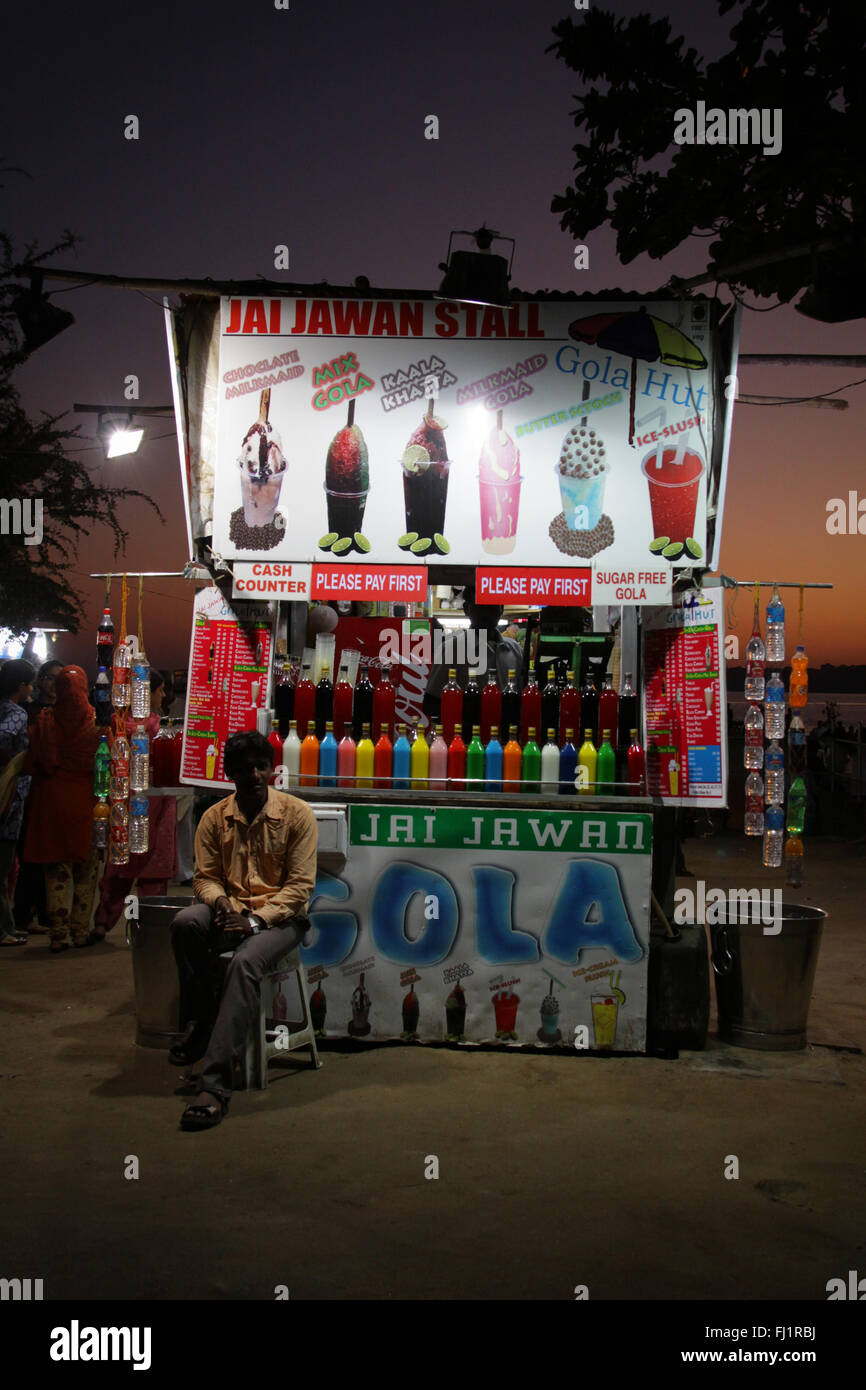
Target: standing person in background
30 907
153 869
16 679
497 653
59 836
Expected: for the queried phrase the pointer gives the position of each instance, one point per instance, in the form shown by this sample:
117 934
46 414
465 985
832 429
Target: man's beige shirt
267 866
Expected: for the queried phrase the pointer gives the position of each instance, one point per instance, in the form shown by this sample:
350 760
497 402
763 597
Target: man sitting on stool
255 871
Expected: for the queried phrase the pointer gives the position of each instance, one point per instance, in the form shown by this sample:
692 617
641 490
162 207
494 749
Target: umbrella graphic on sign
637 334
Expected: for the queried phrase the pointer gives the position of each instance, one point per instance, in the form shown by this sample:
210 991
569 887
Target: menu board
685 704
423 431
229 676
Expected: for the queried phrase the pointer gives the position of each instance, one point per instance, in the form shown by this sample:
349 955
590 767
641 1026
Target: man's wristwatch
255 923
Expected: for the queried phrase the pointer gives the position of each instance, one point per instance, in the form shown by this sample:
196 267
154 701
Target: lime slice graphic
441 544
405 541
418 547
658 545
694 548
415 458
670 552
361 542
328 540
340 547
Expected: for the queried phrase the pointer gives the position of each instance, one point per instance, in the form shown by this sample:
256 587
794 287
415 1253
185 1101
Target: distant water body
851 707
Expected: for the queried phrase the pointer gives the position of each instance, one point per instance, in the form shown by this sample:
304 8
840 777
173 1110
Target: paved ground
553 1170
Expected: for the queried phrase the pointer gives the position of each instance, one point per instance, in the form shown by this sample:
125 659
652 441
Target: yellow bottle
587 761
365 757
419 761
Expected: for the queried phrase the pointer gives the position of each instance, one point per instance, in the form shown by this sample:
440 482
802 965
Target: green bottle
796 807
606 770
531 769
475 762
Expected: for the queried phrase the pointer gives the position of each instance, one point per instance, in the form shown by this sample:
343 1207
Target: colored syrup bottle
277 745
491 708
493 762
310 758
365 758
550 701
346 757
530 705
627 714
284 693
475 762
608 708
102 767
794 861
324 705
587 763
511 703
457 763
384 699
438 768
419 761
530 770
343 695
451 707
605 771
567 765
569 707
402 761
305 701
363 703
328 757
383 758
550 764
589 705
471 706
512 762
636 766
292 754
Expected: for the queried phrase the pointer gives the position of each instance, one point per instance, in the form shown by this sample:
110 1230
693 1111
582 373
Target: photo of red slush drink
505 1007
674 479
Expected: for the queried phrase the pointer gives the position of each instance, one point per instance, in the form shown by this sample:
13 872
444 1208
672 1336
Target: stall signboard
685 702
229 680
546 434
485 925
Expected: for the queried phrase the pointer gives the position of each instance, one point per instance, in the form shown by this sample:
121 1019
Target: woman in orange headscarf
63 742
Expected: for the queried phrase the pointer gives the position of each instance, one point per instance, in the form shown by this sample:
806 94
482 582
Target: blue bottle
328 758
493 762
567 767
402 759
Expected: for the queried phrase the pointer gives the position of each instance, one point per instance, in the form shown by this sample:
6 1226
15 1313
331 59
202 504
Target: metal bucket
764 982
154 972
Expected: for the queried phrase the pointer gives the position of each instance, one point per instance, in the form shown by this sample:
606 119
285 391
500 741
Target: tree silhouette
804 59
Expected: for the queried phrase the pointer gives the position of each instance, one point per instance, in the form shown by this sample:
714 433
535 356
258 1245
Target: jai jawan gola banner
421 430
479 925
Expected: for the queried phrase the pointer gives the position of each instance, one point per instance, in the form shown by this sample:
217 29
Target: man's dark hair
156 679
247 744
47 667
14 674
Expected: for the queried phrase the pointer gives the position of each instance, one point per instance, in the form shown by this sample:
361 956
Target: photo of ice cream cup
674 777
262 467
674 480
582 471
549 1030
210 759
255 687
604 1012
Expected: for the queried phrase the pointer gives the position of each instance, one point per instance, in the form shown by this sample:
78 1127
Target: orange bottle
512 756
310 757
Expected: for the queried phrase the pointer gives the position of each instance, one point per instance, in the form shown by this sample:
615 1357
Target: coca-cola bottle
105 641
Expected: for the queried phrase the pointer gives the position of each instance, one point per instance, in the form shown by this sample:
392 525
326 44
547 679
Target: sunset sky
306 127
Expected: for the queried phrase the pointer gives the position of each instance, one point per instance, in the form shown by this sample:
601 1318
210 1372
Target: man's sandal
203 1116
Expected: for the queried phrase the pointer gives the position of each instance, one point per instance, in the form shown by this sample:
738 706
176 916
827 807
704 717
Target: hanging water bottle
775 707
753 754
755 655
140 686
754 818
774 837
119 786
776 630
118 843
139 759
139 825
121 676
796 745
774 770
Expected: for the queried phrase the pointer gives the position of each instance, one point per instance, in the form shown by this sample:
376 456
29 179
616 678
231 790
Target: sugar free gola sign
479 925
419 431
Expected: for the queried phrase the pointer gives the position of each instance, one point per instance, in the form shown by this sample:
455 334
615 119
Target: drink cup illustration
210 759
262 467
499 480
426 469
359 1022
347 482
318 1009
604 1012
674 480
505 1008
254 691
582 471
708 699
455 1012
674 777
549 1030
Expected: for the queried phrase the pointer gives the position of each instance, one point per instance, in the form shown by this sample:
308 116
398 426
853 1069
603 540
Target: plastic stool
264 1043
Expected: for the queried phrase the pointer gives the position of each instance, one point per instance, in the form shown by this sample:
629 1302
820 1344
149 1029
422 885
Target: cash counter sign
288 583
